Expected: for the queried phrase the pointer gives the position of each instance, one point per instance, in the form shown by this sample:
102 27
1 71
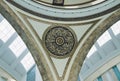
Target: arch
89 42
31 44
26 37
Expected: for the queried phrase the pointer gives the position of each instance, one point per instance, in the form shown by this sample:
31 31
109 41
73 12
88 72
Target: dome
60 40
83 10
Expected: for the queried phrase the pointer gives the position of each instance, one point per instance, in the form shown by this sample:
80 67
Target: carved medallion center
59 40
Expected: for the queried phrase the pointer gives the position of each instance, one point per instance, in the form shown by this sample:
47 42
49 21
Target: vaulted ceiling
59 33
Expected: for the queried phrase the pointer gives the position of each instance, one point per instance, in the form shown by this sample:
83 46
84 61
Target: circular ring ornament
59 40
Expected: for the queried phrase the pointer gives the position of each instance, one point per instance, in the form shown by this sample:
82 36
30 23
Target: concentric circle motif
59 40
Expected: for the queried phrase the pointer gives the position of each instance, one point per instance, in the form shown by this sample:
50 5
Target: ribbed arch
106 24
104 48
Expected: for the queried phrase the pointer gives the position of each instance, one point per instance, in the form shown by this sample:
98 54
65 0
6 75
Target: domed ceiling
67 10
59 33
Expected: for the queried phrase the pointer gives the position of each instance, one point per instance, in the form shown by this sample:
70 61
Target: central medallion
59 40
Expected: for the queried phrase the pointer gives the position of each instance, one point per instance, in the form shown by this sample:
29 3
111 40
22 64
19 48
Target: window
17 46
104 38
6 30
116 28
92 50
28 61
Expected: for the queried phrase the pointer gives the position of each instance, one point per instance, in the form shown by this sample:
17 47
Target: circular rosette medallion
59 40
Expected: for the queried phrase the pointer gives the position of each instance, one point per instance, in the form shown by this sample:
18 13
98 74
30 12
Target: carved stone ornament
59 40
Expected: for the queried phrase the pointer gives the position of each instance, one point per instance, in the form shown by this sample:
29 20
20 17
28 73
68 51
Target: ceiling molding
68 15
